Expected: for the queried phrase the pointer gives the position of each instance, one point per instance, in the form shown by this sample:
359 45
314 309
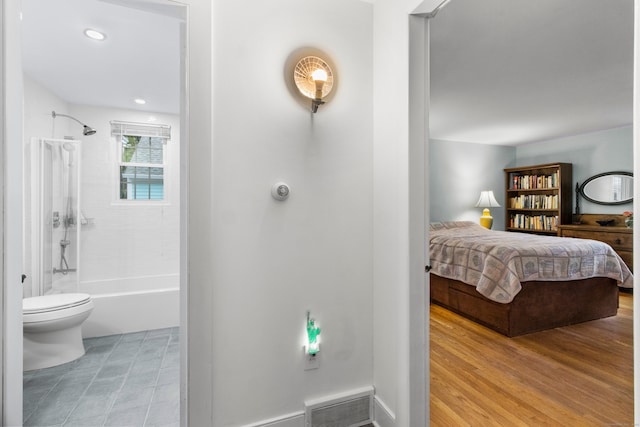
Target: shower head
86 131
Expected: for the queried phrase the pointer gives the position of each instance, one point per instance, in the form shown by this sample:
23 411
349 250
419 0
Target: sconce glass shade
309 70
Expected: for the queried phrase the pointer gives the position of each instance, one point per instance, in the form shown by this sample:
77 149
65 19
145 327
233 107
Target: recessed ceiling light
94 34
139 101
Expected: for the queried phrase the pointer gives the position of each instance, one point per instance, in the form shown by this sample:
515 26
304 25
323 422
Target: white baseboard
382 415
295 419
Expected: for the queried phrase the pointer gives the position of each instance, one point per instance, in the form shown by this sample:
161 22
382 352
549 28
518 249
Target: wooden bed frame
538 306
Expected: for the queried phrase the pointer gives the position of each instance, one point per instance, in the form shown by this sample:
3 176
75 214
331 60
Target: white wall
196 336
12 215
391 291
459 171
39 102
271 261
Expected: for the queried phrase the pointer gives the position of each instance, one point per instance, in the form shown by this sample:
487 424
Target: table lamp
487 200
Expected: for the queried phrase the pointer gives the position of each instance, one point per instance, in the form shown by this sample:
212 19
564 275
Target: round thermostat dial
280 191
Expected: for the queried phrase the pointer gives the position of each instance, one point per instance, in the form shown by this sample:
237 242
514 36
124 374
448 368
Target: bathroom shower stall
56 221
81 237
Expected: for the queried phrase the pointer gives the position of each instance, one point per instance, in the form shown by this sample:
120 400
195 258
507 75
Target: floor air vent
350 409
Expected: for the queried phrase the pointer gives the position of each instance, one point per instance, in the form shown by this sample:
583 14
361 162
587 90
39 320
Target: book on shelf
534 201
534 222
533 182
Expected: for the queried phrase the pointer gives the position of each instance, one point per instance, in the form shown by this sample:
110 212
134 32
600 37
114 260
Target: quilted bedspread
496 262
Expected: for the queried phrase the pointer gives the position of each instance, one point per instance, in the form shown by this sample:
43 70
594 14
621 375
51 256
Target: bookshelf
538 198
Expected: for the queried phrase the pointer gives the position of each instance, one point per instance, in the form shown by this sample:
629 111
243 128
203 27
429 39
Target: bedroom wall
459 171
590 153
269 261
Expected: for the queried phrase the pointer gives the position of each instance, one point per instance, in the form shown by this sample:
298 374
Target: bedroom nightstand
618 236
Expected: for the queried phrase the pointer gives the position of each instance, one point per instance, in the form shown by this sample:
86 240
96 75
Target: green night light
313 338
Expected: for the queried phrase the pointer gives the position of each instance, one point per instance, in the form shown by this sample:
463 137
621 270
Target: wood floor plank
578 375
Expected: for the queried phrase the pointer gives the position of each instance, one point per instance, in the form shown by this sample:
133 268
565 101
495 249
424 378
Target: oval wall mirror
608 188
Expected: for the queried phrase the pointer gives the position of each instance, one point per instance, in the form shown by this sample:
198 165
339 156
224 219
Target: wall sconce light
487 200
314 79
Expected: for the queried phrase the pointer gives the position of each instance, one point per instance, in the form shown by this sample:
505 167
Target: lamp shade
487 200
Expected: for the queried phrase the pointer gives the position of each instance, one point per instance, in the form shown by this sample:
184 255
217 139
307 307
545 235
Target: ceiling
503 72
508 72
140 57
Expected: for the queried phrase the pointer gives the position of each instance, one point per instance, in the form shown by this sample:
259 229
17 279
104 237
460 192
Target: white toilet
52 328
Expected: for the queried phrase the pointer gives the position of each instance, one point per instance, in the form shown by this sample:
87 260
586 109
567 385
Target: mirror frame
594 177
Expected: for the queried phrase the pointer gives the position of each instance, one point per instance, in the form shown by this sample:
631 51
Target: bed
518 283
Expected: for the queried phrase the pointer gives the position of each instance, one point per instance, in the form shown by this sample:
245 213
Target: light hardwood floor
579 375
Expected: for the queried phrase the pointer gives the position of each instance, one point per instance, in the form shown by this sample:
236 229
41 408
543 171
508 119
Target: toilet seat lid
53 302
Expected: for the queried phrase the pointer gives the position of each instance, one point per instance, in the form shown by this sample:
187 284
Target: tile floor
122 380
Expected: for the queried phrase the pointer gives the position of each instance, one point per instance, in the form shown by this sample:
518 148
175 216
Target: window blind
140 129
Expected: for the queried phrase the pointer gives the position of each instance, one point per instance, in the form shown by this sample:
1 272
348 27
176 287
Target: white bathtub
135 307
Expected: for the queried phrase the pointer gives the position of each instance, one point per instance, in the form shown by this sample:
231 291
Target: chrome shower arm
87 130
54 115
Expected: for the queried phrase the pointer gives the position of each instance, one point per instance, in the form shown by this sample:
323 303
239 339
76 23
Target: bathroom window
142 168
141 160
